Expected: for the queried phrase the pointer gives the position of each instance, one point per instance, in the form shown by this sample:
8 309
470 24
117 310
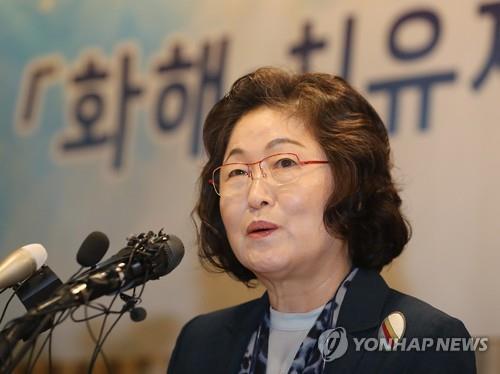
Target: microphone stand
146 257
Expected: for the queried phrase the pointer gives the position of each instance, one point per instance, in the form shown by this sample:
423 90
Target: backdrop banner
102 106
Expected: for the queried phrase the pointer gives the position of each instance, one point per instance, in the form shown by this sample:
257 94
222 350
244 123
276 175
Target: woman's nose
260 193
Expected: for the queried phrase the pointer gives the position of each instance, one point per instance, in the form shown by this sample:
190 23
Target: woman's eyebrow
271 144
234 151
277 141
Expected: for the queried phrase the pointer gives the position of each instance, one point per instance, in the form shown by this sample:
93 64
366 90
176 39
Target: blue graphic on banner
101 91
99 97
424 83
492 9
102 106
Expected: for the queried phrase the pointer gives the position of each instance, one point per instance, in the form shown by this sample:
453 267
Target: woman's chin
274 267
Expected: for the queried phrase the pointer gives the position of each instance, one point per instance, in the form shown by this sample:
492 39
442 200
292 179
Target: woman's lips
260 229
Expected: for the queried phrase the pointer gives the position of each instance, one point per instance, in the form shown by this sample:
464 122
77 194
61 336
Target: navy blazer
216 342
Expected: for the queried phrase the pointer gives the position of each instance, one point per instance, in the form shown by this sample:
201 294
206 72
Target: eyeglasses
280 168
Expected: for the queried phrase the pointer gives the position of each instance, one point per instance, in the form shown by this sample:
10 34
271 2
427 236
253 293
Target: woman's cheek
295 203
231 213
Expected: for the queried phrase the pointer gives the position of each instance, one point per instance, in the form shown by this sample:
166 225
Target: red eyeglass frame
308 162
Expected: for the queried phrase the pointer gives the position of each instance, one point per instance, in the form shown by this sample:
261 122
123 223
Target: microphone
138 314
93 249
21 264
146 257
41 285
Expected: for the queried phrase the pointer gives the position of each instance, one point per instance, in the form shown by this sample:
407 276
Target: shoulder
433 341
207 341
364 312
423 319
214 321
370 301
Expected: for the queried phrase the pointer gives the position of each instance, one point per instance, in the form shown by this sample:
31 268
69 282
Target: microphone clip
137 314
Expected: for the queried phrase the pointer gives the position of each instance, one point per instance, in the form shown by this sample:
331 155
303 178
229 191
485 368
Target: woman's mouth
260 229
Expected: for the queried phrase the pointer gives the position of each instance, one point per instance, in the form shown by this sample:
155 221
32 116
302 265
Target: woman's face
294 242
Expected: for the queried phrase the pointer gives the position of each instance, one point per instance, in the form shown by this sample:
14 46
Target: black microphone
138 314
44 282
147 256
93 249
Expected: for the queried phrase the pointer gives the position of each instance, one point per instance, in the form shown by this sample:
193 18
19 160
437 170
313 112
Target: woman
297 194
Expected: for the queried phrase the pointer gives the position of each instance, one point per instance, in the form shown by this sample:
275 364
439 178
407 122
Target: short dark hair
364 207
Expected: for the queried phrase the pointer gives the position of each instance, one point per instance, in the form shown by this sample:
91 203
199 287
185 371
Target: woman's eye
285 163
236 173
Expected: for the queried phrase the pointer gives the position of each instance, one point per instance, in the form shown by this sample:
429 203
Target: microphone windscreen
93 249
138 314
37 252
175 252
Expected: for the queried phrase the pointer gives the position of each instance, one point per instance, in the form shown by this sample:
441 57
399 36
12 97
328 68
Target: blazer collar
361 310
364 301
240 327
247 316
360 314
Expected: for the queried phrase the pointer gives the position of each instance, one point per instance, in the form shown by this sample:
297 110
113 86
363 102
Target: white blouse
286 333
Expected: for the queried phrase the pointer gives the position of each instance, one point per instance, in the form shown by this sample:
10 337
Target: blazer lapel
360 314
239 328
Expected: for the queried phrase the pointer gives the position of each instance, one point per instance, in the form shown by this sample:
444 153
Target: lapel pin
392 329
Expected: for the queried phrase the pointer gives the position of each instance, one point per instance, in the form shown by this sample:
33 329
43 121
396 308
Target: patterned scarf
308 358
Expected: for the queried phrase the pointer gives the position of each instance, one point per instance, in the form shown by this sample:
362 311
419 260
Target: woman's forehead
265 129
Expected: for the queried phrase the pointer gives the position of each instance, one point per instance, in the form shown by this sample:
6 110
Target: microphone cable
126 308
103 338
32 340
145 258
31 365
6 305
97 340
60 320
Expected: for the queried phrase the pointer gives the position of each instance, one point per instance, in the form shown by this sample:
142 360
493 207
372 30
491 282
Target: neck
311 290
